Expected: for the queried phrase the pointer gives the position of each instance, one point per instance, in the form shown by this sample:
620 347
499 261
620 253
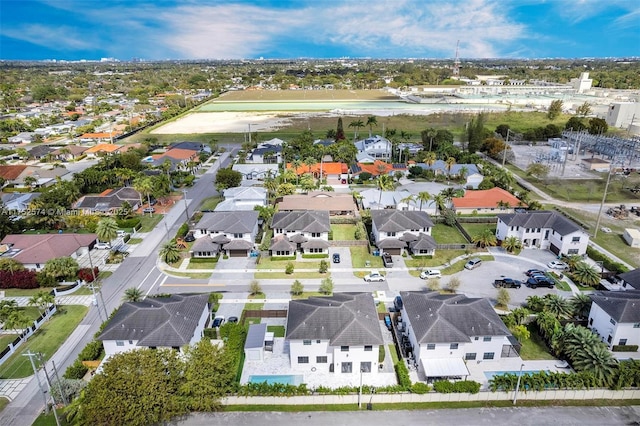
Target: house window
622 342
636 325
282 253
476 338
486 339
488 355
470 356
368 348
572 251
321 359
546 234
238 235
318 341
612 321
346 367
590 321
609 339
575 240
279 231
344 348
119 343
303 360
365 367
431 346
391 234
453 346
315 235
131 342
306 342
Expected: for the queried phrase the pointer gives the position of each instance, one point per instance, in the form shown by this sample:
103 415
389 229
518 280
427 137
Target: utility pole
186 206
604 197
55 373
46 375
31 355
506 146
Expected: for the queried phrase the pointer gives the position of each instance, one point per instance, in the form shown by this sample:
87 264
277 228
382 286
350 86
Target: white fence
24 336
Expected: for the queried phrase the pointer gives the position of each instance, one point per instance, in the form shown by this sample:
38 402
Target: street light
360 392
515 395
186 206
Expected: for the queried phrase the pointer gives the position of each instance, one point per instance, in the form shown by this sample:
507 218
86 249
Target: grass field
46 340
360 255
444 234
343 232
534 347
210 203
294 276
5 339
476 228
278 330
147 223
266 263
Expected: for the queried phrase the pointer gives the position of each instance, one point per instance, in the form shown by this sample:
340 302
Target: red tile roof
327 168
484 199
11 172
378 168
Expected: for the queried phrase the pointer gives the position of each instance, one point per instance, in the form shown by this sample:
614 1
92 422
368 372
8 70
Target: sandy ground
223 122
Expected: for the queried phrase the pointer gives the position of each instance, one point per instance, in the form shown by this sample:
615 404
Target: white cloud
59 38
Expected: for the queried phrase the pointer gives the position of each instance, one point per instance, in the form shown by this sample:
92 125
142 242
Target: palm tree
503 205
598 361
423 197
144 185
42 300
463 172
512 243
371 121
408 199
384 183
585 274
107 229
357 124
310 162
580 305
557 306
132 294
440 201
170 252
450 163
265 212
430 158
431 133
573 261
18 321
30 181
485 238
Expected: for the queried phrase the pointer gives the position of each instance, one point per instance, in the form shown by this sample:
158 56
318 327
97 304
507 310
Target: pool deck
478 368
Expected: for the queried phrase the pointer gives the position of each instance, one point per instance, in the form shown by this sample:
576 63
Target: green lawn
440 258
133 241
343 232
252 306
266 263
16 292
3 403
202 265
444 234
210 203
192 275
307 294
5 339
476 228
459 266
148 223
360 254
278 330
46 340
294 276
534 347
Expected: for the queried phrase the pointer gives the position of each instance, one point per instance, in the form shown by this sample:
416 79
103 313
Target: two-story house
544 229
445 330
231 232
111 201
242 198
396 230
307 231
372 148
338 334
157 322
266 153
631 279
615 317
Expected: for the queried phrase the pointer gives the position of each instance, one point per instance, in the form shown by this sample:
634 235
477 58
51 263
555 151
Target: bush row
133 223
19 279
466 386
624 348
606 262
403 376
315 256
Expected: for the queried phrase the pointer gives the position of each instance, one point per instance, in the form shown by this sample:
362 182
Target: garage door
237 253
554 249
394 251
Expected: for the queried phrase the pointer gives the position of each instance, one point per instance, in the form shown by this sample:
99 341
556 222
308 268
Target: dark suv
507 283
539 281
336 257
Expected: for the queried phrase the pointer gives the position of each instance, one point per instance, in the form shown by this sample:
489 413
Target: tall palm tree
512 243
573 261
132 294
170 252
431 133
357 124
408 199
423 197
144 185
371 121
598 361
463 172
384 183
585 274
310 162
557 306
485 238
440 200
42 300
430 158
107 229
450 163
580 305
296 166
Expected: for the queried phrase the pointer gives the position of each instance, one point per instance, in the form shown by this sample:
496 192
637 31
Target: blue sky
190 29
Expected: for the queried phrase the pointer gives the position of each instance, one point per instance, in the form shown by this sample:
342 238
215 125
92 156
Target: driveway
338 269
245 264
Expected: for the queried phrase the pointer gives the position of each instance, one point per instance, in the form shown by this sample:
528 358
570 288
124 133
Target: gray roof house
544 229
446 329
615 317
338 334
242 198
170 322
395 230
110 201
631 279
234 232
305 230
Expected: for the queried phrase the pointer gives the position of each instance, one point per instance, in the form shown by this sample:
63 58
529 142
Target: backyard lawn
5 339
278 330
476 228
444 234
360 254
148 223
342 232
210 203
46 340
534 347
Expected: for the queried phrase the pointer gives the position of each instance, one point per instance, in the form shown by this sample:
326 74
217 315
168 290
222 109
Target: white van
473 263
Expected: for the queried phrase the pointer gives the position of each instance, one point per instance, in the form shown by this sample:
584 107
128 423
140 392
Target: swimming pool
285 379
489 374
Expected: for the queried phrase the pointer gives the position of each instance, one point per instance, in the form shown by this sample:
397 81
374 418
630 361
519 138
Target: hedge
624 348
85 274
128 223
315 256
77 370
91 352
403 375
466 386
606 262
182 231
19 279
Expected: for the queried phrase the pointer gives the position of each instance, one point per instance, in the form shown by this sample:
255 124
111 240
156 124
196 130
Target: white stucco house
544 229
256 171
615 317
396 230
307 231
375 199
448 330
630 280
157 322
233 232
375 147
242 198
338 334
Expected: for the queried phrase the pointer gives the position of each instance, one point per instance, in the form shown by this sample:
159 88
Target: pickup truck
387 260
507 283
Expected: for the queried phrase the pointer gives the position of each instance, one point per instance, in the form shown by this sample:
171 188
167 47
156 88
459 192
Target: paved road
579 416
138 270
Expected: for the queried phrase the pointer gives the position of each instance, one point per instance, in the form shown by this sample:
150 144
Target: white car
102 246
430 273
556 264
374 276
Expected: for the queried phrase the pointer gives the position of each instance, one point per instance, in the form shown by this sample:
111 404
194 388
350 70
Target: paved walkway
60 300
10 389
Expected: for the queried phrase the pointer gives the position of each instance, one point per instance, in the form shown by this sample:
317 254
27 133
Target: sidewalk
10 389
60 300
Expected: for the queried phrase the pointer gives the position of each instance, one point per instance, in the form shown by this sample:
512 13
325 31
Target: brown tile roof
11 172
327 168
181 153
43 247
487 198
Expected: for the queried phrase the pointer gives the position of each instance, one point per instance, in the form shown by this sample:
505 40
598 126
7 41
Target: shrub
255 287
315 256
210 333
19 279
466 386
289 268
420 388
182 231
77 370
403 375
128 223
85 274
326 287
297 288
381 354
606 262
324 266
91 352
624 348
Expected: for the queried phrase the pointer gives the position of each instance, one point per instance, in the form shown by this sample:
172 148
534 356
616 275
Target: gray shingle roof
303 221
622 306
424 242
316 243
632 278
112 200
205 244
446 318
169 321
388 243
239 222
282 243
345 319
399 220
238 245
542 219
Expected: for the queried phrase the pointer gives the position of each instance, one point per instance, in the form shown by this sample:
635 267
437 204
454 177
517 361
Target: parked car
153 202
336 257
189 237
397 303
556 264
102 246
374 276
218 321
430 273
534 271
387 260
473 263
507 283
539 281
387 321
148 210
232 320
